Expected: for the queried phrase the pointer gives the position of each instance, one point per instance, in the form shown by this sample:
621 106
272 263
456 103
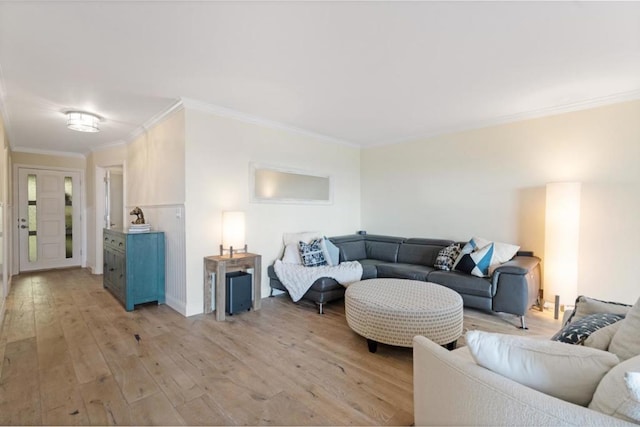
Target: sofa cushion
404 271
384 250
578 331
447 257
585 306
616 394
462 283
568 372
601 338
351 250
477 262
421 251
311 253
369 268
626 341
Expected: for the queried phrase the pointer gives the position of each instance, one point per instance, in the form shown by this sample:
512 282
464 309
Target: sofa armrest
518 265
451 390
516 284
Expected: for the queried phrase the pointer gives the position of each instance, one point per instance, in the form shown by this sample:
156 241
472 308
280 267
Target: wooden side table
220 265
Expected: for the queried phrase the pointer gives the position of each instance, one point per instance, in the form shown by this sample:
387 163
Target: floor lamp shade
562 232
233 230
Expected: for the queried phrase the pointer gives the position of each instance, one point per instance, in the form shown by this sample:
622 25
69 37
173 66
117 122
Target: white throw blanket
298 278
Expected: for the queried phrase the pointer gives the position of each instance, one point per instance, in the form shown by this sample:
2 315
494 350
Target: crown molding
248 118
154 120
518 117
48 152
113 144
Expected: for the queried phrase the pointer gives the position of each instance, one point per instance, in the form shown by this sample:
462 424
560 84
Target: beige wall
155 168
49 161
111 156
218 154
490 182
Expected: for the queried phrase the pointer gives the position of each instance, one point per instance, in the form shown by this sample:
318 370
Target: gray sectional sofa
512 288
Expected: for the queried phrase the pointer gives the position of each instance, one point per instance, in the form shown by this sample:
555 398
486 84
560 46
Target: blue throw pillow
578 331
311 253
476 263
331 252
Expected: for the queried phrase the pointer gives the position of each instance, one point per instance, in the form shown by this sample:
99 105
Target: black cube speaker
238 292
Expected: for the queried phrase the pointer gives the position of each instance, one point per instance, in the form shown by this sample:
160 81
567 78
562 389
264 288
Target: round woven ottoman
393 311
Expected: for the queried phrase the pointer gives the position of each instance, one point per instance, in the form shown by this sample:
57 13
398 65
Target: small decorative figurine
140 216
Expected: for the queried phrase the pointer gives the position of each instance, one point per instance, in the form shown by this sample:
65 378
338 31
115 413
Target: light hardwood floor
70 354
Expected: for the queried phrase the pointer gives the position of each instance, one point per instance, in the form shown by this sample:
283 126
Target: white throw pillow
502 252
601 338
292 254
633 385
626 342
568 372
617 393
330 251
306 236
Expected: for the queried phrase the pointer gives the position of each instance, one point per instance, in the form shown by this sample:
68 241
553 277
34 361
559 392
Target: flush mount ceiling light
82 121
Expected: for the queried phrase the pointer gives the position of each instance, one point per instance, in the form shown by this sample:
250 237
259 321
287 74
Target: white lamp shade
233 230
562 232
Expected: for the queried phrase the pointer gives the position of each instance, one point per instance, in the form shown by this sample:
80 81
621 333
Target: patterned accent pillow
447 257
476 263
578 331
312 254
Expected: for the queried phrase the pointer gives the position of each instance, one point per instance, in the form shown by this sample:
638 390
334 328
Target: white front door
49 219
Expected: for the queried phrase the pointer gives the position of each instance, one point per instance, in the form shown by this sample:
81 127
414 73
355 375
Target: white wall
218 153
490 182
155 181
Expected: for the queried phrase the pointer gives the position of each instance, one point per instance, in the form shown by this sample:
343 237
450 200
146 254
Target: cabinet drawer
114 241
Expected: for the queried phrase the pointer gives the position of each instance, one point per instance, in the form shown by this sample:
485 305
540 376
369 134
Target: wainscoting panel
170 219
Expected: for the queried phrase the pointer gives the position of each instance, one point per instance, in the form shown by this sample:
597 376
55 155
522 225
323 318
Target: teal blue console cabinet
134 266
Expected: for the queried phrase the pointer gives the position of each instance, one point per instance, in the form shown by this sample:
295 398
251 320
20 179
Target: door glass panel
68 215
32 218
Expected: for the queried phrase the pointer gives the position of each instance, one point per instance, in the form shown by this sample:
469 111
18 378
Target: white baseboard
177 305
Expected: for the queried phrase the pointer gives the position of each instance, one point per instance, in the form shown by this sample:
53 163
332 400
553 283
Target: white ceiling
365 73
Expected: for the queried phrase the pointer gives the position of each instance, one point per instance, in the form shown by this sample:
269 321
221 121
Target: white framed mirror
274 184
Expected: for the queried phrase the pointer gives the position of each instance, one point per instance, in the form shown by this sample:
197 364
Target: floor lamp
562 232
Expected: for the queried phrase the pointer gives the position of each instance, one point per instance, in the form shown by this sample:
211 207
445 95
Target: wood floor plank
54 381
155 410
133 379
105 403
19 385
22 324
83 359
70 410
177 385
88 362
203 411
